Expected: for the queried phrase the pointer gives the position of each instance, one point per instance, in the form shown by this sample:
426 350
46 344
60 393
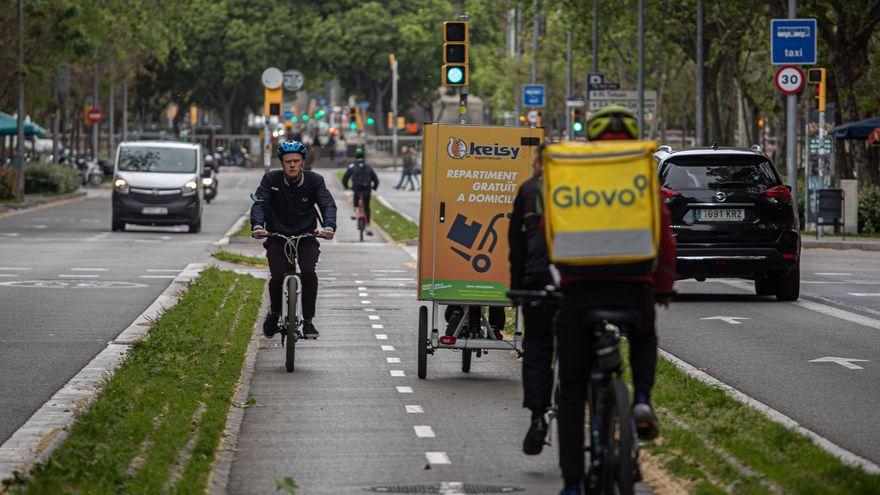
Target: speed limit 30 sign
790 79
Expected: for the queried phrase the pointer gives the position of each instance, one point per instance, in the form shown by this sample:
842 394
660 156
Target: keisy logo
458 149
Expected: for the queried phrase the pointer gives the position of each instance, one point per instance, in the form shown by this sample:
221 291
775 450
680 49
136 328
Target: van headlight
121 186
189 188
207 181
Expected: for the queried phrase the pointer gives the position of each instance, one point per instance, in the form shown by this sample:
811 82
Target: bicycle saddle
622 317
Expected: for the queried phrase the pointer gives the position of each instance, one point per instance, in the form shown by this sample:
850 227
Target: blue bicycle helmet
292 147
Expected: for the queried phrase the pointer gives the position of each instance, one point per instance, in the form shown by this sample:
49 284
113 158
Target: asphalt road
68 285
767 354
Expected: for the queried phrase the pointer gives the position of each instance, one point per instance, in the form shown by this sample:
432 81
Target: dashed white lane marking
424 431
158 276
13 268
363 294
369 309
89 269
388 348
437 458
373 317
396 279
362 288
392 360
834 274
38 226
378 327
365 302
397 373
451 488
414 409
157 270
67 275
404 390
9 275
381 336
358 281
864 294
388 271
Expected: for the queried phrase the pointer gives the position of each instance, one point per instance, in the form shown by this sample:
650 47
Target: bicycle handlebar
285 237
517 295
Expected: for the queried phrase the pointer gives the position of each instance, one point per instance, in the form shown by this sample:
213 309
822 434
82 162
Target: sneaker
270 324
534 441
369 232
354 217
309 331
647 425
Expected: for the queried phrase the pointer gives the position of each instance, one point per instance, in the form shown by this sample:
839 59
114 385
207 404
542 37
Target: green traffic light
294 119
578 127
371 121
454 75
353 126
305 117
319 114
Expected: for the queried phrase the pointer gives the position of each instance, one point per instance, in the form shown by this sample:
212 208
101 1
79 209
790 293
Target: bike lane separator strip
437 458
404 390
48 426
388 348
397 373
414 409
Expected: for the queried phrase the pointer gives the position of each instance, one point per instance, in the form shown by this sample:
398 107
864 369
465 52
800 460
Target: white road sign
790 80
532 116
600 99
293 80
272 78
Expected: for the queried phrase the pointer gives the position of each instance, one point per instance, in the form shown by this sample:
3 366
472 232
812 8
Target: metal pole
393 110
640 85
535 44
568 129
125 111
701 117
95 104
595 36
791 126
463 91
517 109
111 139
55 116
19 142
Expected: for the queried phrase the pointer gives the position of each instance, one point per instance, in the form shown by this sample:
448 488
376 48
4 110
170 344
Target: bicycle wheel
423 342
361 224
291 323
618 438
466 356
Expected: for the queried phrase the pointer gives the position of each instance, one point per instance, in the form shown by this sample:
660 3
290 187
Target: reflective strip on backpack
603 243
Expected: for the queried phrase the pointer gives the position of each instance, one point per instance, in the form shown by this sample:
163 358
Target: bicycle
611 440
361 217
290 322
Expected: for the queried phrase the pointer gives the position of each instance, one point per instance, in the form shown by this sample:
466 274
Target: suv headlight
121 186
189 188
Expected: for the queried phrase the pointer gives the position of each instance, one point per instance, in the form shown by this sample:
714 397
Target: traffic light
455 54
272 102
371 121
816 77
577 122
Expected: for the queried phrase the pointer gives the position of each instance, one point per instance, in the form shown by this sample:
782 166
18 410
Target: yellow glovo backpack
601 203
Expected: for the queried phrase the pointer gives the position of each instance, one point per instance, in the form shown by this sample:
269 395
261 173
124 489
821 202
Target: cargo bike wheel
423 342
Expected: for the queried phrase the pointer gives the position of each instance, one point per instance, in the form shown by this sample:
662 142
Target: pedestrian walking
409 164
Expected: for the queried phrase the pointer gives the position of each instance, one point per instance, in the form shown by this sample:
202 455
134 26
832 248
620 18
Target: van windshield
161 160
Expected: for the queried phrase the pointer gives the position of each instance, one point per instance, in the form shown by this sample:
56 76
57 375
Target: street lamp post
19 149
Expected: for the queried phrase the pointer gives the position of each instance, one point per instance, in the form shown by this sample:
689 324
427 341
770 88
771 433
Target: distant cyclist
363 182
285 204
584 292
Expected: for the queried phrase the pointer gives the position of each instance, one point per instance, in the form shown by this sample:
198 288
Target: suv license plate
154 210
720 215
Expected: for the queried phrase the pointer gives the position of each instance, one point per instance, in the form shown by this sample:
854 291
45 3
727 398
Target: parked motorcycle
90 171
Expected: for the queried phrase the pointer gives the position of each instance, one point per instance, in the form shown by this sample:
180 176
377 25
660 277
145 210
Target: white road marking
414 409
404 390
845 362
864 294
437 458
157 270
157 276
89 269
369 309
148 241
362 288
388 348
38 226
63 275
451 488
378 327
388 271
834 274
363 294
396 279
365 302
9 275
726 319
11 234
397 373
392 360
13 268
373 317
381 336
358 281
424 431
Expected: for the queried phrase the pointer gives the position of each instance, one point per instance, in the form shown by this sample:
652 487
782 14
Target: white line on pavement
365 302
424 431
9 275
77 276
373 317
363 294
13 268
362 288
392 360
158 270
397 373
388 348
389 271
404 390
369 309
89 269
358 281
437 458
378 327
864 294
834 274
451 488
157 276
414 409
396 279
381 336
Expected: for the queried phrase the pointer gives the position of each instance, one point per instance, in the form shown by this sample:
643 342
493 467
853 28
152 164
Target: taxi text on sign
469 181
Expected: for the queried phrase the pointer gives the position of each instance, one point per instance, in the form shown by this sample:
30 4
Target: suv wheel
765 286
788 285
195 227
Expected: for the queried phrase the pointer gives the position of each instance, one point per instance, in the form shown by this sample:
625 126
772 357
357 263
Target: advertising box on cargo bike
470 175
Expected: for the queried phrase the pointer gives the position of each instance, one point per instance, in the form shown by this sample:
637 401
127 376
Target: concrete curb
227 237
57 200
49 425
841 245
218 479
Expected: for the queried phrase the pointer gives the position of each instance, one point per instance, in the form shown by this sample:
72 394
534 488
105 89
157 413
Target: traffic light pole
791 126
394 130
19 141
463 91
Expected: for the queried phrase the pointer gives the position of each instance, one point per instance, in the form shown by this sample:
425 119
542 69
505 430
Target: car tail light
789 256
447 340
668 193
778 192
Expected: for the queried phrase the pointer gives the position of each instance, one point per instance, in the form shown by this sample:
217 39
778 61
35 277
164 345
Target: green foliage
48 178
869 208
8 183
286 484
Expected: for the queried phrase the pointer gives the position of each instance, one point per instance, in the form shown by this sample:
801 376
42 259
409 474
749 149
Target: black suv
732 217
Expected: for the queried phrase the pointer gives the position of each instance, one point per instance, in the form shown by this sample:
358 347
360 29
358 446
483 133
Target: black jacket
529 264
374 179
289 208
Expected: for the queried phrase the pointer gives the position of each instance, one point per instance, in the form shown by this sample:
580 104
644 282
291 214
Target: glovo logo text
577 197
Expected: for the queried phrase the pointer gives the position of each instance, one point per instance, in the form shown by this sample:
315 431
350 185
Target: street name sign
789 79
629 99
533 95
793 41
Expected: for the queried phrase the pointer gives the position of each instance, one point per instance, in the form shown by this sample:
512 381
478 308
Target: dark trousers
406 176
575 357
307 257
537 372
365 195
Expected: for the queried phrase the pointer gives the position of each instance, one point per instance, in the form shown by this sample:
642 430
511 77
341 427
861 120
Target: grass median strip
393 223
156 424
245 230
239 258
